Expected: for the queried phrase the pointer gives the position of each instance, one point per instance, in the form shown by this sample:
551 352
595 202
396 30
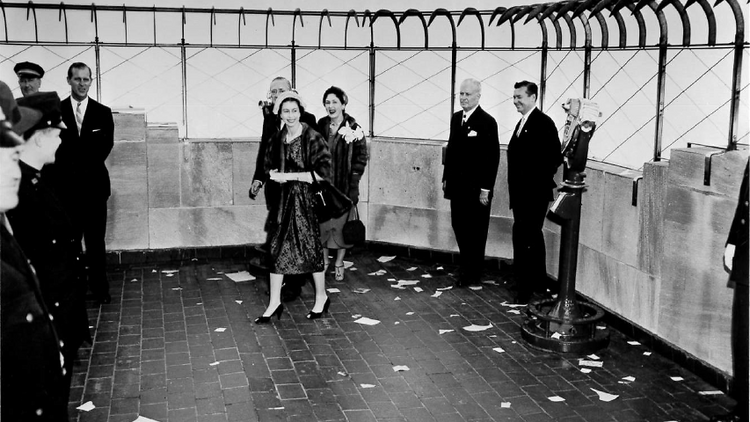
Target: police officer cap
28 69
14 120
48 103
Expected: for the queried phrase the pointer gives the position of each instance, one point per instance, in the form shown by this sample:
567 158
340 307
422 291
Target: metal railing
199 66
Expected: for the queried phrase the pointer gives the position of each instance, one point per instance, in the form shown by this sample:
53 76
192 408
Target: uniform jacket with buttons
738 235
47 237
31 371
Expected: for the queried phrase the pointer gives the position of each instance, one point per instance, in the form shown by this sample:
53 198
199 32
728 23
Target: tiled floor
182 346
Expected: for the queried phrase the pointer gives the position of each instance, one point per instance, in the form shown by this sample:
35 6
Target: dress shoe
316 315
266 319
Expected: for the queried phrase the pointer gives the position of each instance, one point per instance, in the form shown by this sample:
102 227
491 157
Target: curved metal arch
475 12
95 19
520 14
620 26
536 9
641 24
31 9
566 7
571 28
663 27
349 15
269 16
388 13
587 42
5 21
600 6
710 17
368 15
684 18
504 16
547 13
501 11
585 5
64 13
124 23
240 19
446 13
297 12
184 21
325 13
417 13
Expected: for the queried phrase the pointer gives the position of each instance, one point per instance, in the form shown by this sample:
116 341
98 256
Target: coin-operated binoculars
565 324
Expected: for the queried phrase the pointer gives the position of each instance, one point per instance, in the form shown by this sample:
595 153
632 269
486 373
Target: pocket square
472 133
95 130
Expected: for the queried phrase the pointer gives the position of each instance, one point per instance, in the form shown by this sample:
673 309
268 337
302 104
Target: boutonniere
350 135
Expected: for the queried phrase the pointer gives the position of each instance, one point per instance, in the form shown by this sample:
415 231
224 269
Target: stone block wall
650 245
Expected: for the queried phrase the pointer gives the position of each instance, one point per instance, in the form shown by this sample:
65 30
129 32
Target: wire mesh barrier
207 68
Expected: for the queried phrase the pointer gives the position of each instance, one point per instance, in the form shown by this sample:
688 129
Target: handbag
329 201
354 229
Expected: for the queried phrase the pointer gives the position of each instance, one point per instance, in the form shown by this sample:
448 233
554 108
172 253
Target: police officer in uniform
46 234
32 363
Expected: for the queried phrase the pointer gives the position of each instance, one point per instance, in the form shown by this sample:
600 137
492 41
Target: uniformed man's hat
48 103
14 118
28 69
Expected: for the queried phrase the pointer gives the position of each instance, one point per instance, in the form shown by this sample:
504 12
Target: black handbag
329 201
354 229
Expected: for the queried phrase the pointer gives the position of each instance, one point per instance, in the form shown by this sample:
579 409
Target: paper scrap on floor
556 399
367 321
475 288
220 330
591 363
411 268
240 276
418 289
436 294
512 305
498 349
170 271
505 404
444 331
333 290
378 272
604 396
360 290
144 419
348 264
474 327
444 288
400 368
385 258
86 407
426 276
367 385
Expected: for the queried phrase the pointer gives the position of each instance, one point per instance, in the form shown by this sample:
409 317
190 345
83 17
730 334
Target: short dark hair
338 92
531 88
286 100
79 65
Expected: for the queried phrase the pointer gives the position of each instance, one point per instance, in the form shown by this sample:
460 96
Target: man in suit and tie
534 154
471 160
80 174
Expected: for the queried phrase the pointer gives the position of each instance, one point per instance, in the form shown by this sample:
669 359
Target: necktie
463 120
520 126
79 117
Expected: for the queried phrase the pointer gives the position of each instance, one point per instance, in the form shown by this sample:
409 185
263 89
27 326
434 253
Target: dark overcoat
348 159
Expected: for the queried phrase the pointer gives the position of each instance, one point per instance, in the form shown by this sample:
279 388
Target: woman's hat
285 96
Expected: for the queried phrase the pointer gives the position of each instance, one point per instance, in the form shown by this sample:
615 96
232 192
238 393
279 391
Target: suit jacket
42 228
533 159
738 235
79 171
472 156
31 368
348 159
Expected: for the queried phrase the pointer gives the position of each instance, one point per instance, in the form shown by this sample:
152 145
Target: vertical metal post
294 64
587 70
183 62
98 67
454 65
372 89
543 76
660 93
734 105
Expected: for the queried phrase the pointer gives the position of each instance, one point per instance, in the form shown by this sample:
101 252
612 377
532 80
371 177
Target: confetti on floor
86 407
240 276
475 328
384 259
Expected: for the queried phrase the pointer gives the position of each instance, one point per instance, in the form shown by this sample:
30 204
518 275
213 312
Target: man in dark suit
736 255
271 125
42 228
533 158
471 160
80 175
31 364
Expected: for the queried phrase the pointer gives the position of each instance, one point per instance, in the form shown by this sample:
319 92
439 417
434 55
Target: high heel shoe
266 319
316 315
339 275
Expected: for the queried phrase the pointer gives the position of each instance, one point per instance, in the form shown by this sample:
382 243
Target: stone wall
653 257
